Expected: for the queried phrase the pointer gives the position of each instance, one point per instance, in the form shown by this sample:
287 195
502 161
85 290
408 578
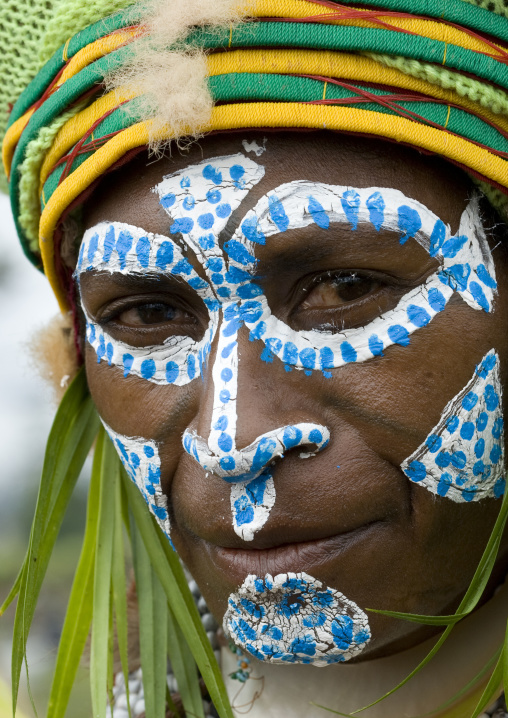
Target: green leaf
102 575
153 612
167 566
79 610
70 439
493 688
185 670
422 619
14 590
120 588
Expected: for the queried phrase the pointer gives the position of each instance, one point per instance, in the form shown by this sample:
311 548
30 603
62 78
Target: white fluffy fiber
173 82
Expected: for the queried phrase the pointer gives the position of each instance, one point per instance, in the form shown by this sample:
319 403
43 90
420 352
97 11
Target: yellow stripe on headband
424 28
11 139
96 50
341 65
76 128
264 114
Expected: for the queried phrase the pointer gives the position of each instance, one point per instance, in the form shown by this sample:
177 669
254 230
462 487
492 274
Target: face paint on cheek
463 456
294 618
141 460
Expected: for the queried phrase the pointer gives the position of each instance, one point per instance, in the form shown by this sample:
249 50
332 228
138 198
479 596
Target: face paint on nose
463 456
194 200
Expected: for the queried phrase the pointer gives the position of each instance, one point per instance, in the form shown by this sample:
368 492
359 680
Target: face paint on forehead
294 618
463 456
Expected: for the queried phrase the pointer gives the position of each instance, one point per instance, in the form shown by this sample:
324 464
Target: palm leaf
70 439
170 573
185 670
102 576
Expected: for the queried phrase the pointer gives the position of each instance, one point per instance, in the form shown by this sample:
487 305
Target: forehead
126 195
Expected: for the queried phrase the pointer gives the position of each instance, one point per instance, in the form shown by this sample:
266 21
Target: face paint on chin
200 201
294 618
463 456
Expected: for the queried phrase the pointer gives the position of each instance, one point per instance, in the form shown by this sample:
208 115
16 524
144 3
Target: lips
237 563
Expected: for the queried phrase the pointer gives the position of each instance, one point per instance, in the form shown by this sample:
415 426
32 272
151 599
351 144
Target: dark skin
364 529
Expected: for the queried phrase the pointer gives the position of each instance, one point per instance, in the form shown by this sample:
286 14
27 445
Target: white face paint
463 456
200 201
294 618
141 460
254 147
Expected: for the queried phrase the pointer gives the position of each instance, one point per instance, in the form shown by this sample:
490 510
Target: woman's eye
148 314
338 291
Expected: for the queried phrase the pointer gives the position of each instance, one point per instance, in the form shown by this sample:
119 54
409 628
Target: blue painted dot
482 421
273 345
350 202
127 361
318 214
499 488
249 291
456 277
410 222
212 174
224 292
221 424
226 352
223 210
109 244
469 493
217 278
436 300
497 429
278 213
479 468
206 220
147 368
290 354
236 173
251 230
467 430
109 352
251 311
444 484
224 396
225 442
308 358
143 251
315 436
257 332
376 206
92 247
292 437
213 196
479 448
418 315
326 358
189 203
437 237
168 200
443 459
172 371
149 452
495 453
452 246
191 366
479 296
164 255
185 182
485 277
470 401
348 352
452 424
123 246
486 366
399 335
458 459
182 225
238 252
376 345
206 241
226 374
434 443
491 398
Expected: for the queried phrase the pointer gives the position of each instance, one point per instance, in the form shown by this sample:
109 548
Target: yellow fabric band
94 51
341 65
425 28
11 139
263 114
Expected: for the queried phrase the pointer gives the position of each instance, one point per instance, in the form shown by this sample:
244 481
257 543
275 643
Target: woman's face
285 340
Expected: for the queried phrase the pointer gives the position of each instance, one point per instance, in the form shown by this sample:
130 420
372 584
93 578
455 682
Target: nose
247 469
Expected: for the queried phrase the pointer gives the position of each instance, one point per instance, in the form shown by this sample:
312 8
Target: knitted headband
430 74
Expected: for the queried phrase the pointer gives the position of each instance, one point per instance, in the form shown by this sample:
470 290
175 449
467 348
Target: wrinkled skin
393 545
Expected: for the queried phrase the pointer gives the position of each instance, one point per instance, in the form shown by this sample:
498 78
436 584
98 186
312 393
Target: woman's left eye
148 314
338 291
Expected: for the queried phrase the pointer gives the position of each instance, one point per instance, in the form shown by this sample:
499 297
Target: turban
426 73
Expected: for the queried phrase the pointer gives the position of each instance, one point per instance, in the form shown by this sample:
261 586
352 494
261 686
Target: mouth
237 563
